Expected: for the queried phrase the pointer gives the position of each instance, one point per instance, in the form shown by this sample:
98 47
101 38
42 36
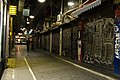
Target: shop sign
13 9
117 11
26 12
117 41
117 47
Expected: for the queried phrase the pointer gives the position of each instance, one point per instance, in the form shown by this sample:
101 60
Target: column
50 42
11 28
60 48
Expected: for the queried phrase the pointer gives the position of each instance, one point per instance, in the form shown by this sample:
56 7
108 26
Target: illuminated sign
26 12
13 9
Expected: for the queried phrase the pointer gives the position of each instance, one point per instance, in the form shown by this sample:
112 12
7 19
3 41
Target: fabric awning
86 8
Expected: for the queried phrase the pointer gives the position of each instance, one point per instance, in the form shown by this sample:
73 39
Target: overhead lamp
41 1
70 3
28 22
27 19
31 16
22 29
19 33
16 36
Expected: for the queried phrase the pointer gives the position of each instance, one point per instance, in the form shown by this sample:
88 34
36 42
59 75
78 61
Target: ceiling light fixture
41 1
70 3
28 22
31 17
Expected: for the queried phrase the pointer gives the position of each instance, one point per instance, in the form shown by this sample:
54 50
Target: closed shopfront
43 42
98 35
55 41
75 29
40 40
67 40
47 42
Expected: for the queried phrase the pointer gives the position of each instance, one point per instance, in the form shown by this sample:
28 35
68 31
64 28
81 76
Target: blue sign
117 48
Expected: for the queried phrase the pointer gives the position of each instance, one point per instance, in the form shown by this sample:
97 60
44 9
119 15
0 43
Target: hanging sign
12 9
26 12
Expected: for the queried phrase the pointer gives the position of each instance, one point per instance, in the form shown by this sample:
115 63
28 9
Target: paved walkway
41 66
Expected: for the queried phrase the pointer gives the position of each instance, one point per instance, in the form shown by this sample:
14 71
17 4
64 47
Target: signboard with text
117 47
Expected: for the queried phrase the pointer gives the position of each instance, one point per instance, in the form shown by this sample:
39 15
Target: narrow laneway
35 65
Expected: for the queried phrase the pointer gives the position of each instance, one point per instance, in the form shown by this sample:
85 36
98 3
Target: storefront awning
86 8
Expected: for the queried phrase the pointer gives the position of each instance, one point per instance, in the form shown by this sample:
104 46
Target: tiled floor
40 66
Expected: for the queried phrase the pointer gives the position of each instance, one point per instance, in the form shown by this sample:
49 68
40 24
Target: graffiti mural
99 42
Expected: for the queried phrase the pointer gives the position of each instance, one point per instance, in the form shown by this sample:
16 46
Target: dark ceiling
49 9
41 11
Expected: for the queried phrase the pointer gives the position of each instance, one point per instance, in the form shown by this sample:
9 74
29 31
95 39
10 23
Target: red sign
117 11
